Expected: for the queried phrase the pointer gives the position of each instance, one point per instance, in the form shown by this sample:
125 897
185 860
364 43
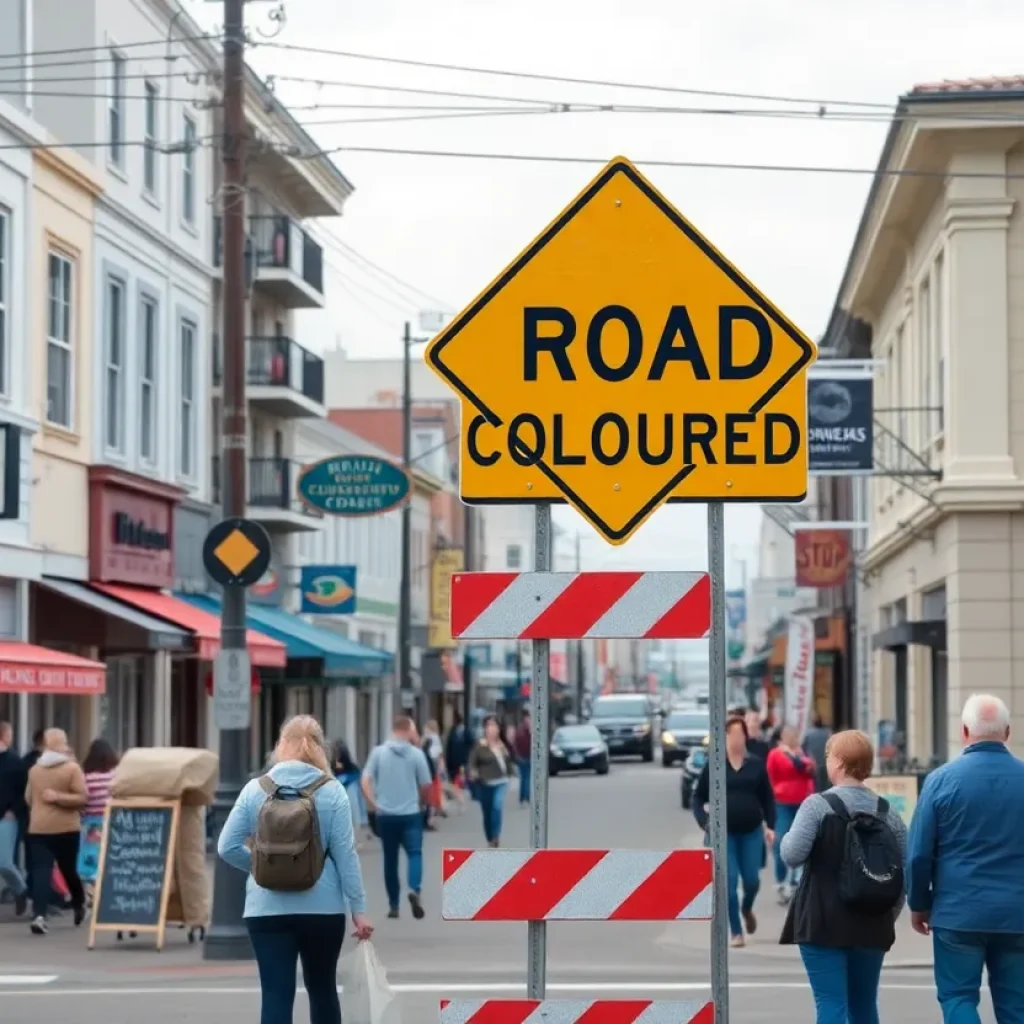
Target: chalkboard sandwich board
136 866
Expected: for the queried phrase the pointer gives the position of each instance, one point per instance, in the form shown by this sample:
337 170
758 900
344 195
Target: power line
685 164
351 253
566 79
106 48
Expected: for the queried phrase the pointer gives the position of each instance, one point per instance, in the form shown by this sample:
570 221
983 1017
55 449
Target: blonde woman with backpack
291 831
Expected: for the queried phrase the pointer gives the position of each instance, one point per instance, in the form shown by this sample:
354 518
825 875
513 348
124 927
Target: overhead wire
562 79
661 162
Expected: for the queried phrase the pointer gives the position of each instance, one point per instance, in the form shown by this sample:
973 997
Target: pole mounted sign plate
621 362
236 552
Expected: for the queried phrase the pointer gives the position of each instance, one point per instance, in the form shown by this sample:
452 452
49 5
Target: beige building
64 187
934 288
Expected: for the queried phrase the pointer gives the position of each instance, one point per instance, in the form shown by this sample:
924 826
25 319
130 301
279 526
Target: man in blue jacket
966 868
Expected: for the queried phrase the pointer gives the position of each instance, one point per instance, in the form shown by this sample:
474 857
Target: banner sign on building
798 682
840 425
735 624
823 558
328 590
439 632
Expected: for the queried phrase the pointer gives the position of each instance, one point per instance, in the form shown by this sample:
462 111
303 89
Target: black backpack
871 871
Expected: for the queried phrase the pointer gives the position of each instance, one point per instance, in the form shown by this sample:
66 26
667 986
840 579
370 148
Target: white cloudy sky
447 226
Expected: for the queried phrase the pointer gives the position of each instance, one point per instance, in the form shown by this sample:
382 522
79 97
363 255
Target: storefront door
127 711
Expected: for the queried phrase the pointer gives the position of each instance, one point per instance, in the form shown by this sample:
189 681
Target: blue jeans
784 816
844 983
401 831
279 942
959 959
492 802
523 764
745 852
8 850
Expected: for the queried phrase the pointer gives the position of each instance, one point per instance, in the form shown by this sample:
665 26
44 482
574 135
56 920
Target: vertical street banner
823 557
798 682
735 624
439 630
840 425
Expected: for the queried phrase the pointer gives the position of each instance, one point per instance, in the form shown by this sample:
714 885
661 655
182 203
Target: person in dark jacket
13 813
842 947
456 753
813 744
750 823
490 766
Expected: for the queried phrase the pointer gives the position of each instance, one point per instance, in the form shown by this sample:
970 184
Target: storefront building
157 648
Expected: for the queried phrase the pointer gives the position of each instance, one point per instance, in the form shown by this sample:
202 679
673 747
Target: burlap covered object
170 773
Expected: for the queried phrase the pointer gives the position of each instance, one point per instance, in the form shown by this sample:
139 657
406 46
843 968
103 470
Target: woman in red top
791 773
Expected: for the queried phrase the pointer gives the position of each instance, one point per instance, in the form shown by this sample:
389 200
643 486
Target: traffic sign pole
227 938
540 741
717 764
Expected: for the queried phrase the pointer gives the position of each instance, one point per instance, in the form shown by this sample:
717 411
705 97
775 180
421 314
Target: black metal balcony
272 499
288 263
289 379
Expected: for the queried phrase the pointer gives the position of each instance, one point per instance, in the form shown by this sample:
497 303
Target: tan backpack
287 852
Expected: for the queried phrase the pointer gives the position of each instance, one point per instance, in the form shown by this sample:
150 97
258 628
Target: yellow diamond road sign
621 362
236 551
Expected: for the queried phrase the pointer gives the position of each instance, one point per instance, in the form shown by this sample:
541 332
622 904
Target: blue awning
342 658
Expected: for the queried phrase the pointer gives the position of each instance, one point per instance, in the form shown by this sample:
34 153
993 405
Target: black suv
625 723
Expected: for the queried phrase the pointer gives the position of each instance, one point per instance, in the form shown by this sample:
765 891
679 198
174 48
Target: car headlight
668 739
557 751
599 749
642 730
706 740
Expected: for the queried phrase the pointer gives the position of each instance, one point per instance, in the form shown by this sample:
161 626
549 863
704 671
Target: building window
115 110
147 380
150 139
187 404
188 173
513 557
926 343
59 355
4 265
114 385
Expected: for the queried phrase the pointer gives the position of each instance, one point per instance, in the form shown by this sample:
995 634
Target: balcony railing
279 242
909 441
271 485
276 361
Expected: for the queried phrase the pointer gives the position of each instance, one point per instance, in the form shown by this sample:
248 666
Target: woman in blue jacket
286 927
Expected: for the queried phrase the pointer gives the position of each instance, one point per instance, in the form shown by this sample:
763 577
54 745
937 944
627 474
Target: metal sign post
717 764
540 728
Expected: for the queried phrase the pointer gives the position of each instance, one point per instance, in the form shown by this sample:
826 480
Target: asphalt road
635 806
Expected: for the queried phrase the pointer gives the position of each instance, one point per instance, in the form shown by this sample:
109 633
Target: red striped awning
26 668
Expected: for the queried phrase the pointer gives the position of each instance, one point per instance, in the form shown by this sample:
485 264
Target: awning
342 658
26 668
160 635
264 651
926 633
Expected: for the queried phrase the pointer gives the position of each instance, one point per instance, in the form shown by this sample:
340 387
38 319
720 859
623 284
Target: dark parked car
578 748
684 730
691 773
624 721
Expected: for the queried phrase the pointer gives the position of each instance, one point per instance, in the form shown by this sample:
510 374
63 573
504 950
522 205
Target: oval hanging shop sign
353 485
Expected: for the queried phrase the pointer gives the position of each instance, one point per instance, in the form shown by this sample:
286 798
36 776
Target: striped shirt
97 787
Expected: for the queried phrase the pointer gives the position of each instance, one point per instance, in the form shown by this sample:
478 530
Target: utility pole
228 938
405 596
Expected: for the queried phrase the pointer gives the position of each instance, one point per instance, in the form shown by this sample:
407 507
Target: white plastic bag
366 996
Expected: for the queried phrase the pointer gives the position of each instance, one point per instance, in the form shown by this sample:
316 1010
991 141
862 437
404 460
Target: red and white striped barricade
575 1011
576 885
580 605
